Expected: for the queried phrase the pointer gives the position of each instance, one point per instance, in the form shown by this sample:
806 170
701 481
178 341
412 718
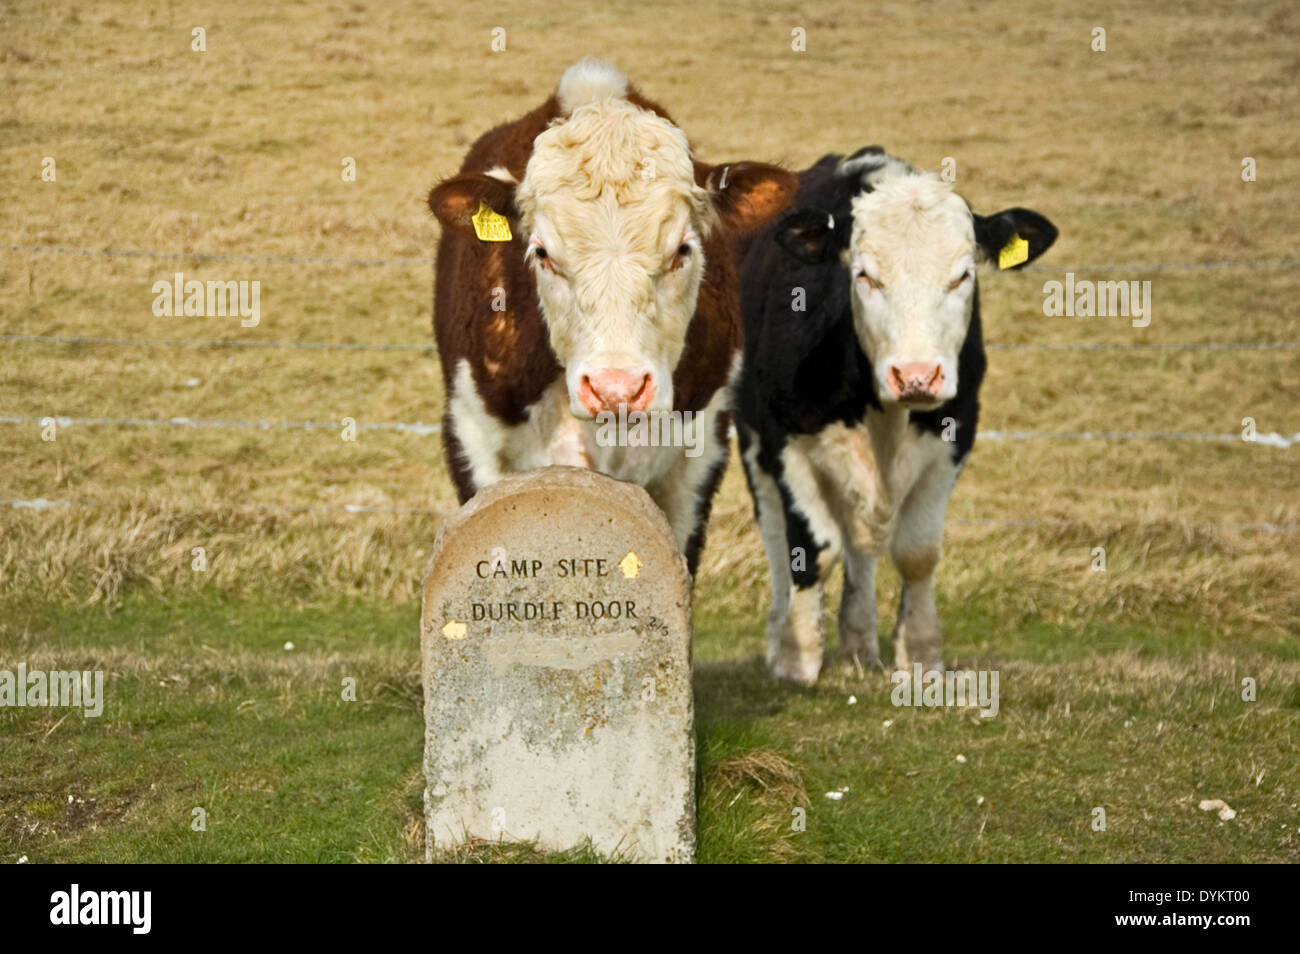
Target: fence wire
430 349
42 504
1270 439
428 260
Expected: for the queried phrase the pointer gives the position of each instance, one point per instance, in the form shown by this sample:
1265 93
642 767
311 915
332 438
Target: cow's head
616 212
910 246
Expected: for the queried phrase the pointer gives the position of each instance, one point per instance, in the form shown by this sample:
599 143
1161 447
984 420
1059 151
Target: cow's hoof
859 662
803 672
928 664
914 644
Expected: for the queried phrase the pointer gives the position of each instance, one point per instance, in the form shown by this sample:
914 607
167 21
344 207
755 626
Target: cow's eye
543 258
680 257
960 280
866 278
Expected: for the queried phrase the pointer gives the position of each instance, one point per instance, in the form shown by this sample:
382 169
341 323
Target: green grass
207 708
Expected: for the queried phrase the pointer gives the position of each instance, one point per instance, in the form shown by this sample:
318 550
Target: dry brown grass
763 772
96 555
1135 153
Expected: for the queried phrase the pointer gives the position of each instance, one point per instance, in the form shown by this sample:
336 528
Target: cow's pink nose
606 389
917 380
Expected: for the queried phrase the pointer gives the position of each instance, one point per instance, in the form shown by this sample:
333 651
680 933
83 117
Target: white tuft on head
872 166
587 81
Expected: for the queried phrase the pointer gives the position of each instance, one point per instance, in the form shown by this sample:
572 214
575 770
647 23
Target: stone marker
555 638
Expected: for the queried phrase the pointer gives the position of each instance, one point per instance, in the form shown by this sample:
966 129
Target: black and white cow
859 394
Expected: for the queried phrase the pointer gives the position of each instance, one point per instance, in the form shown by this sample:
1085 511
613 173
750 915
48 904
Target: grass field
1120 689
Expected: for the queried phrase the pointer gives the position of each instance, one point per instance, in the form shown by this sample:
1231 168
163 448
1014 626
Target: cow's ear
748 195
457 200
1014 237
808 235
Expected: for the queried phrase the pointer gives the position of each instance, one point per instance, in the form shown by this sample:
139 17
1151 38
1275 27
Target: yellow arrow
630 564
455 630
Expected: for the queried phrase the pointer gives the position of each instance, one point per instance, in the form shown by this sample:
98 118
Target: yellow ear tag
1013 253
488 226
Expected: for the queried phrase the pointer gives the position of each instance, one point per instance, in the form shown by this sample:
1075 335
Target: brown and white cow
608 289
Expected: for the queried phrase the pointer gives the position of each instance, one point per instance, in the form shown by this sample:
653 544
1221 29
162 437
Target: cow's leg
794 630
797 643
704 507
859 640
859 500
457 464
473 437
802 542
770 511
685 495
685 490
915 550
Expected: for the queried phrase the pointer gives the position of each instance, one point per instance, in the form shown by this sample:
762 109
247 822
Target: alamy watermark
934 689
195 299
626 428
1088 299
77 689
130 908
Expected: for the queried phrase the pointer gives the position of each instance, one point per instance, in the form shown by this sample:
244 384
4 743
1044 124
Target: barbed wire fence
1273 439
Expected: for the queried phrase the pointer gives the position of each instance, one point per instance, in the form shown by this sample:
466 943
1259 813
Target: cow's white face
615 214
615 225
911 258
